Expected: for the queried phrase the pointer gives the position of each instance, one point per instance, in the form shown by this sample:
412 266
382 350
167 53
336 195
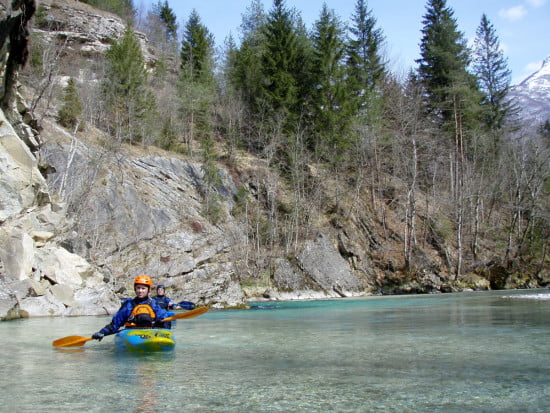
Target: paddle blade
187 305
188 314
71 341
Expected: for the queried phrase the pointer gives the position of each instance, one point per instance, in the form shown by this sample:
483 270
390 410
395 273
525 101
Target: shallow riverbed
475 352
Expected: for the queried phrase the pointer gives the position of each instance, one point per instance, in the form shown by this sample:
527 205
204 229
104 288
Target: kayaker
139 312
162 300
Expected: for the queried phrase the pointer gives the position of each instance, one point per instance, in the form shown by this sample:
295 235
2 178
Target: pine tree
491 68
198 94
253 20
72 107
280 62
197 84
231 107
544 132
330 100
452 99
197 48
304 63
365 63
443 66
228 63
167 16
127 96
244 64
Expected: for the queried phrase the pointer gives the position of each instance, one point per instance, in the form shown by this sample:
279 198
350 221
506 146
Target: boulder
98 300
64 293
290 283
62 267
17 253
45 305
41 237
9 306
211 284
321 261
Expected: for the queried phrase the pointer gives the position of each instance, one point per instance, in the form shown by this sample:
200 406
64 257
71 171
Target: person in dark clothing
162 300
139 312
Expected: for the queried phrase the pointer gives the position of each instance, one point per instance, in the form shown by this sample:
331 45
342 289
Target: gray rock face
83 32
37 276
21 181
143 214
321 261
319 271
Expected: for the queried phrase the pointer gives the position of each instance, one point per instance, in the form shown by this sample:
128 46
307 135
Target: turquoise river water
467 352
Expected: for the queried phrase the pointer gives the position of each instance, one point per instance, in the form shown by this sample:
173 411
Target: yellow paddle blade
71 341
188 314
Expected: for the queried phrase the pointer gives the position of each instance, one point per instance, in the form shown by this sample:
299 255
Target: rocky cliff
140 210
37 275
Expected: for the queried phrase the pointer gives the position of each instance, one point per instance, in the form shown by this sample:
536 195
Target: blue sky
523 26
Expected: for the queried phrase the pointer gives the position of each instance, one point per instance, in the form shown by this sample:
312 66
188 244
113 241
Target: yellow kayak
145 339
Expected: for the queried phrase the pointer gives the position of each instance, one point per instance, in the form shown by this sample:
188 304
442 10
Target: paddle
71 341
186 305
188 314
74 341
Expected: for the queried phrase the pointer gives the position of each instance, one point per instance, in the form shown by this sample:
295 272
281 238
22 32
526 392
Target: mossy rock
472 281
521 280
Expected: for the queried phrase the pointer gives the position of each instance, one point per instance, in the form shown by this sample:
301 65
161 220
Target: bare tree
528 167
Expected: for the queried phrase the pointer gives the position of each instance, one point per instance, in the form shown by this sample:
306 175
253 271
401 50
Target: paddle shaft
188 314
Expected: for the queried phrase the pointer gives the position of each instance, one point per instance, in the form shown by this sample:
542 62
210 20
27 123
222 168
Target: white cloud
514 13
536 3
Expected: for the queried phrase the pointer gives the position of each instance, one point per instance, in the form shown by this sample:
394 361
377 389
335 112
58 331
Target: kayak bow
145 340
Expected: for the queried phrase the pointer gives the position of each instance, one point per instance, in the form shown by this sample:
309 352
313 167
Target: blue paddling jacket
124 314
163 301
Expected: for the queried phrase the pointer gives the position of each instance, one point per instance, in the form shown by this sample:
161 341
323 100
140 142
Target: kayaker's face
141 290
160 292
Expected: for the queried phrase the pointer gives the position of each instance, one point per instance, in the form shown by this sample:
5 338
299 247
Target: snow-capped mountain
532 95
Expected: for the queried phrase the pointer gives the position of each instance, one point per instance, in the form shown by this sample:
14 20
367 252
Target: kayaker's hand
98 336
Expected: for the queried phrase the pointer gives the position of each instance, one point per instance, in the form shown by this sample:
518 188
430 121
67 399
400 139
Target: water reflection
145 374
69 349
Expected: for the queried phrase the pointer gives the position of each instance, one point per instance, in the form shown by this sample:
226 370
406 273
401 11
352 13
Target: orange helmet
145 280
